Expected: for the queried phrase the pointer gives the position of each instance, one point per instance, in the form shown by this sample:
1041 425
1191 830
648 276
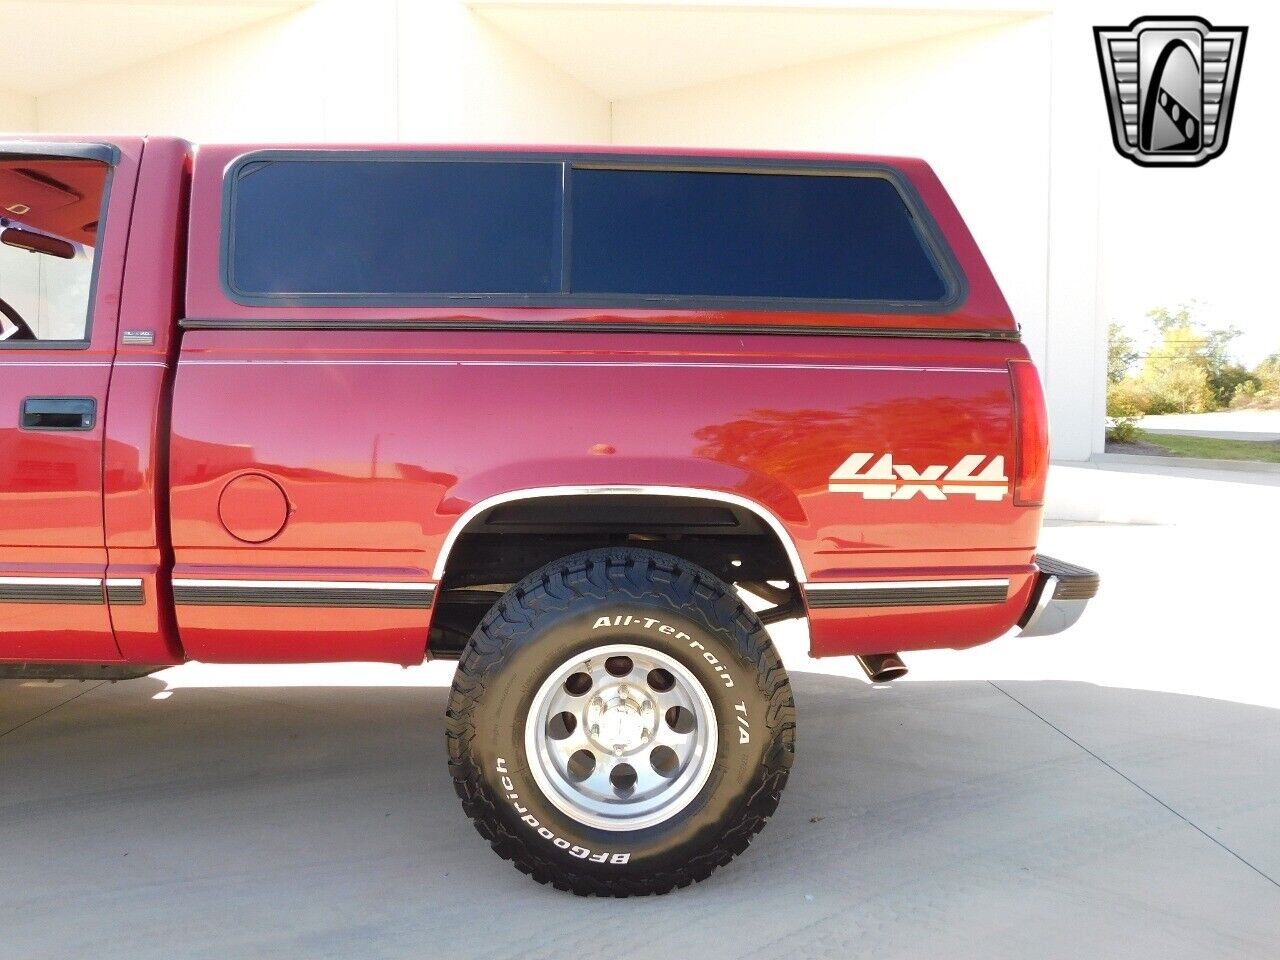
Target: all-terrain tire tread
686 588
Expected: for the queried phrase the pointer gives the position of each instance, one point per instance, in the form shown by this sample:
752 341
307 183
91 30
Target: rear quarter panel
383 439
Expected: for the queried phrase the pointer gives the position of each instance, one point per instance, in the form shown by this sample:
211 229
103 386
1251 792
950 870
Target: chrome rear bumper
1061 593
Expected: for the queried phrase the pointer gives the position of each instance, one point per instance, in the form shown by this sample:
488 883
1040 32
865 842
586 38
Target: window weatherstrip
454 325
938 251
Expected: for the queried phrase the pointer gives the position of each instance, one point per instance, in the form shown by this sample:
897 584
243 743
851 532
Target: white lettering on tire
744 726
573 849
648 623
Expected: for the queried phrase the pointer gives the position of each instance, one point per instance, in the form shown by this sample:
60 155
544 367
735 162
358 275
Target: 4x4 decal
886 480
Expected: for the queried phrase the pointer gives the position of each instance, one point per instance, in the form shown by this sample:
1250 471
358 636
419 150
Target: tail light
1031 434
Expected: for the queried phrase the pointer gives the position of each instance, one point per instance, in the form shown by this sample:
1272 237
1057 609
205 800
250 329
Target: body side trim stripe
309 584
693 364
52 581
909 584
125 590
51 590
557 326
304 593
71 590
907 593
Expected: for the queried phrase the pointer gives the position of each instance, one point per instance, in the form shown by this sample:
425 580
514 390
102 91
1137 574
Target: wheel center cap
619 723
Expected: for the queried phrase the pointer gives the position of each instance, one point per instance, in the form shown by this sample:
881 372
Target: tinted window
396 227
693 234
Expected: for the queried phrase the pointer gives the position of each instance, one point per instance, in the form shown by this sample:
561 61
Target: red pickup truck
585 419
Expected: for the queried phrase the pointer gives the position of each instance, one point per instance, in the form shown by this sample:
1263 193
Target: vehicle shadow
1019 819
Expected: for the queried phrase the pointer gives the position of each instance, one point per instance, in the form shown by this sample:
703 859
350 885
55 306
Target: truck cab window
49 219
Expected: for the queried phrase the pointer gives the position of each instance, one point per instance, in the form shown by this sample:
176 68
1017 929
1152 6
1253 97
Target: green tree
1121 353
1262 388
1124 405
1267 373
1174 376
1190 370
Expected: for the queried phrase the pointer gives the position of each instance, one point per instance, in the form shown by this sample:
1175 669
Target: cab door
64 218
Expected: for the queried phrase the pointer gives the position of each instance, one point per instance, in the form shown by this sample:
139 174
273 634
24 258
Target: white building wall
357 70
17 111
1073 362
296 77
461 80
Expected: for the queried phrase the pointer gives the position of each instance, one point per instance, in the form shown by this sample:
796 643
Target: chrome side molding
87 590
406 594
907 593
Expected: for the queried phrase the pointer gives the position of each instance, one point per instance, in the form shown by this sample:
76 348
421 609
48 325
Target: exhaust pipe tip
882 667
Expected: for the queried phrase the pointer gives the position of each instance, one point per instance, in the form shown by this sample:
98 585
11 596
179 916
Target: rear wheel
620 724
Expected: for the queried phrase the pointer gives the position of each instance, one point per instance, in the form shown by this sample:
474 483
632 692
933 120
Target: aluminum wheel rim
645 721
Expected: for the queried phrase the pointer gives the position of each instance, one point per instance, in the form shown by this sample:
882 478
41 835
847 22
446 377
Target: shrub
1228 380
1267 374
1261 390
1125 405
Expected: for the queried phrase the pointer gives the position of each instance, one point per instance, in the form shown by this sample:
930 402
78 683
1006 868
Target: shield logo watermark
1170 84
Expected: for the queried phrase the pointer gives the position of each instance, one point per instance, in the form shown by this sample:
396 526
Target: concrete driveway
1114 791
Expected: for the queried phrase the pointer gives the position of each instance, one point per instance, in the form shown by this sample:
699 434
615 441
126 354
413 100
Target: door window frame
104 153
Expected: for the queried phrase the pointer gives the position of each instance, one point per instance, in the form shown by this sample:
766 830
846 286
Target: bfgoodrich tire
620 724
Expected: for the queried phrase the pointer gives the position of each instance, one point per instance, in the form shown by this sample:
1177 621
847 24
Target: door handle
59 413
